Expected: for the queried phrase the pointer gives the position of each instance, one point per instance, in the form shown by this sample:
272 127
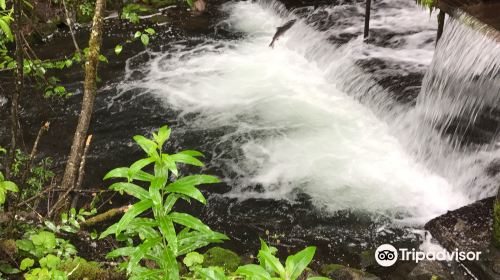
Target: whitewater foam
303 116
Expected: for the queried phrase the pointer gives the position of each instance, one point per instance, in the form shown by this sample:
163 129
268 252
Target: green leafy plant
39 243
6 186
5 20
86 8
143 36
45 249
271 268
131 12
169 234
39 175
70 222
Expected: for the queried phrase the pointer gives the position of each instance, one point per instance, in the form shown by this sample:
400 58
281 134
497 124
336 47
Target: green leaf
168 230
50 261
194 180
170 164
26 263
124 251
192 153
137 34
25 245
141 251
2 4
184 158
254 272
189 221
162 136
190 241
192 259
51 226
145 39
120 172
8 185
118 49
131 213
4 26
150 31
102 58
273 262
7 269
44 239
2 196
171 264
187 190
296 264
140 164
131 189
170 202
69 62
212 273
154 190
147 145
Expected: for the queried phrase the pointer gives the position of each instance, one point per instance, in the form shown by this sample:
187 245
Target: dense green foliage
170 234
160 241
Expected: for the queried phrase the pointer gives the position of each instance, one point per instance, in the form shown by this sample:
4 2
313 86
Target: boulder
425 270
470 229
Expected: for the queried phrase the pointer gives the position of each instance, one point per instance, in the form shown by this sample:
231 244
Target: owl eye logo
386 255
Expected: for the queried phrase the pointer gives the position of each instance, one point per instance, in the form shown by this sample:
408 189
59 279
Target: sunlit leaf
296 264
145 39
255 272
118 49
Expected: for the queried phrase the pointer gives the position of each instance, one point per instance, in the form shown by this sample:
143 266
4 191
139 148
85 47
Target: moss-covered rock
496 223
340 272
83 269
367 259
224 258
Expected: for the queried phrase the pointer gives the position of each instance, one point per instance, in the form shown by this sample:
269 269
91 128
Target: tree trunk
16 138
89 94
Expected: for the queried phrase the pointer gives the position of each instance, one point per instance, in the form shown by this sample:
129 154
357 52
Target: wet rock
425 270
470 229
467 228
225 258
340 272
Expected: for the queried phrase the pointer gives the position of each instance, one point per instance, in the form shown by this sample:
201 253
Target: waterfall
459 104
308 117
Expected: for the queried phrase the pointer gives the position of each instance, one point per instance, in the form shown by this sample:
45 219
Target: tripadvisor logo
387 255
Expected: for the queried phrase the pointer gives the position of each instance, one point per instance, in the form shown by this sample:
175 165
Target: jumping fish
281 30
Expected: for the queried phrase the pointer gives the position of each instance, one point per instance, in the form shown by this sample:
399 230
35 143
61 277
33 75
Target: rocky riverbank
470 229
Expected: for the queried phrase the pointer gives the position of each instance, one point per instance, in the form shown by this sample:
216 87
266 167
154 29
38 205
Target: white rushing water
303 116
